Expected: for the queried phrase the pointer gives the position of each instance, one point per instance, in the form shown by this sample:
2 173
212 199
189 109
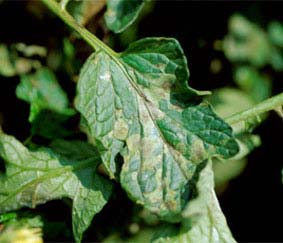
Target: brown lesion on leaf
120 129
198 152
171 204
133 142
167 85
161 65
148 148
155 113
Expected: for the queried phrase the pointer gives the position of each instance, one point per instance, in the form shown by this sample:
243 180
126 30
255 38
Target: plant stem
27 140
270 104
91 39
265 106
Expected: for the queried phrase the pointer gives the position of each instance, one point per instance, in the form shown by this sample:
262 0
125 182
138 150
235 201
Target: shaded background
253 202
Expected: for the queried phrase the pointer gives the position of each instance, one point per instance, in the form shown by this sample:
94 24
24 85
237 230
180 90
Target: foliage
21 228
247 42
164 143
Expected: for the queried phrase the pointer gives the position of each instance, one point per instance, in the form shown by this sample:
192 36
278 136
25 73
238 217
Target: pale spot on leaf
105 76
120 130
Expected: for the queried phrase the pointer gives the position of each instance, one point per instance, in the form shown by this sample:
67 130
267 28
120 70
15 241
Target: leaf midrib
121 65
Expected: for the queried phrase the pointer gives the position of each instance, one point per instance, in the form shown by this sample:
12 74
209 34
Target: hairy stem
270 104
91 39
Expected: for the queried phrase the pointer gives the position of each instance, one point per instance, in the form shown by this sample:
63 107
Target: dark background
253 201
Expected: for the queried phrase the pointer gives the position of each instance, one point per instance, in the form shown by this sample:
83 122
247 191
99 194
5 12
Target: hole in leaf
119 162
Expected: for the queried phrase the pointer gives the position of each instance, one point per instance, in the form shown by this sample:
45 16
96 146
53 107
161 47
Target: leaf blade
43 91
203 220
121 14
211 219
36 177
135 119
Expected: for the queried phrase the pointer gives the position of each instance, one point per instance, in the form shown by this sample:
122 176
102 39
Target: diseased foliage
121 14
131 107
35 177
148 131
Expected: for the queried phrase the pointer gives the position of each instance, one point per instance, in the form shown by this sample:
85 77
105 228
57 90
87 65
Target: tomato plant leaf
224 171
253 83
121 14
130 107
275 33
203 220
6 67
43 91
51 125
248 42
35 177
160 62
84 10
210 225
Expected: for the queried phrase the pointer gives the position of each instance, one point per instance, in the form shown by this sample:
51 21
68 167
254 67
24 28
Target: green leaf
16 59
84 10
165 232
51 125
129 105
43 91
203 219
144 235
250 80
246 42
7 216
35 177
24 234
224 171
227 101
31 50
275 32
211 225
24 229
121 14
6 67
22 219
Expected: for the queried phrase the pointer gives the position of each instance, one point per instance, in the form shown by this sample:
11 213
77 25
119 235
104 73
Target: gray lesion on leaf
149 136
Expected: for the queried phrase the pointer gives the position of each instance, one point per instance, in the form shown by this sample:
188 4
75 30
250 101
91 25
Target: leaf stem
28 140
91 39
272 103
